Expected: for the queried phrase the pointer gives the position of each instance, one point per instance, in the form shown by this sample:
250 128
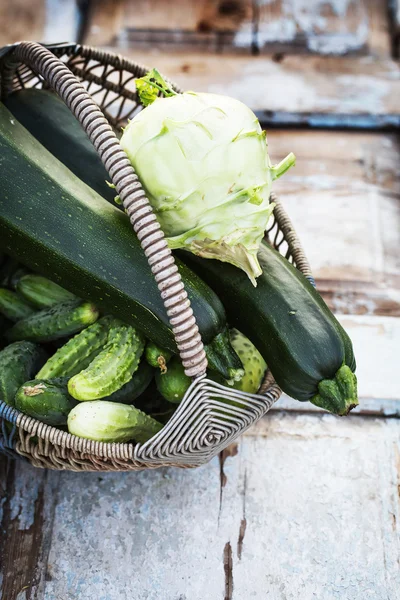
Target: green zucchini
18 363
77 354
113 367
51 122
47 401
307 350
14 307
104 421
41 292
54 323
138 383
57 225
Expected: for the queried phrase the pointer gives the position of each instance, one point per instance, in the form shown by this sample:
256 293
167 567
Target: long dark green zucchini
56 225
51 122
307 350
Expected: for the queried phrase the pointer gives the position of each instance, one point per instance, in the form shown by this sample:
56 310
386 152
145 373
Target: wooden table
305 505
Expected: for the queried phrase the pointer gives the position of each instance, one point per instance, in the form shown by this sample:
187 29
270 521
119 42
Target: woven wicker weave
99 88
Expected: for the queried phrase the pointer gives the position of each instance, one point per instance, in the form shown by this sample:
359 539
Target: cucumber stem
338 395
283 166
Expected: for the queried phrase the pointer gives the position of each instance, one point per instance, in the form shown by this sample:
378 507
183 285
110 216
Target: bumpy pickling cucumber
47 401
18 363
113 367
55 322
13 306
173 384
104 421
135 386
157 357
252 361
77 354
41 292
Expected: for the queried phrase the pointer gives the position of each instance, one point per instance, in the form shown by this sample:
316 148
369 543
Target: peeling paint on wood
319 489
351 186
25 528
228 570
296 84
326 27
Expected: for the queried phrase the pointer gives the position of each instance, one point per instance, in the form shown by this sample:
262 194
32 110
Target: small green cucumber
173 384
157 357
47 401
18 363
104 421
55 322
113 367
222 357
135 386
78 352
253 363
13 306
41 292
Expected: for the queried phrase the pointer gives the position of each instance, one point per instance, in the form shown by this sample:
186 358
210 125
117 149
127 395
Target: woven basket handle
141 215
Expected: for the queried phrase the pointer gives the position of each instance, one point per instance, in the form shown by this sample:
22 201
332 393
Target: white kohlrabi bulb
203 161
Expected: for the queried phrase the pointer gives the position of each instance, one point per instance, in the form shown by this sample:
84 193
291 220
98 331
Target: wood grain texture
245 26
21 20
28 499
343 197
49 21
294 84
309 503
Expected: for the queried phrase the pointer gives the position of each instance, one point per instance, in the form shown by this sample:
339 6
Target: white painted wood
314 498
62 21
343 198
298 84
377 343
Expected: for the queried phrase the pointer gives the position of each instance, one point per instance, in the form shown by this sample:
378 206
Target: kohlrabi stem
283 166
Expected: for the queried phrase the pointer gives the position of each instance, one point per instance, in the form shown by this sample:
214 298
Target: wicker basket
99 88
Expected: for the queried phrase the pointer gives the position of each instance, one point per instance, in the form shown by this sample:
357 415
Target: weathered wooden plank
304 502
48 21
105 20
359 297
321 26
296 84
27 501
343 197
21 20
351 187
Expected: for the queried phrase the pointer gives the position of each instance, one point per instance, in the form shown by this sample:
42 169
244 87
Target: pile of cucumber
116 348
68 366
